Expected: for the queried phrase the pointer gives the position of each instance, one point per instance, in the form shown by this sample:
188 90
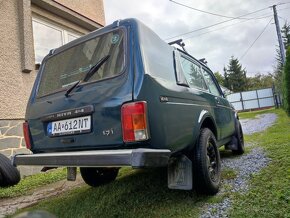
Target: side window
210 83
192 73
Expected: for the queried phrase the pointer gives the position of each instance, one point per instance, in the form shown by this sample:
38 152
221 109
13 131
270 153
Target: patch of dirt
11 205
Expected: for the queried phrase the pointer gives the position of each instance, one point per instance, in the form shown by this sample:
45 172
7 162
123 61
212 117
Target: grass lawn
138 193
29 183
269 195
253 114
134 193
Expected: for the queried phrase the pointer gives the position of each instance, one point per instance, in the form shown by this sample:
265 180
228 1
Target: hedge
286 83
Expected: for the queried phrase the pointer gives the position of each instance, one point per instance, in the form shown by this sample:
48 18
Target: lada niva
121 96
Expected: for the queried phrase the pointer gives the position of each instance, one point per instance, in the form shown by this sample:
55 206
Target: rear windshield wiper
89 74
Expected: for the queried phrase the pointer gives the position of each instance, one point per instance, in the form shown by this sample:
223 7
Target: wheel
96 176
239 142
206 164
9 174
1 180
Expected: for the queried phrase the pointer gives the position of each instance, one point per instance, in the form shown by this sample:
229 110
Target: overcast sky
168 19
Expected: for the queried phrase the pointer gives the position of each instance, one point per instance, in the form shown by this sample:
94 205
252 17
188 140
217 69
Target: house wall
15 85
88 8
17 62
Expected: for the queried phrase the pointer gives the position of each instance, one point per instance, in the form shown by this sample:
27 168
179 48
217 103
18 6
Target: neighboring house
28 30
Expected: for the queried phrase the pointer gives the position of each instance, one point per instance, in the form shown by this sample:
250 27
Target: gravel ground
244 166
260 123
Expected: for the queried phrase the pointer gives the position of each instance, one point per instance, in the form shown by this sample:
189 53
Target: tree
286 34
278 70
260 81
235 76
220 78
286 83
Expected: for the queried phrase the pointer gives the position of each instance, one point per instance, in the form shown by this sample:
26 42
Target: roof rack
180 43
203 60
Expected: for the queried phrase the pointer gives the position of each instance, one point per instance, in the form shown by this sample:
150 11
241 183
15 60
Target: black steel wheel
96 176
206 164
240 139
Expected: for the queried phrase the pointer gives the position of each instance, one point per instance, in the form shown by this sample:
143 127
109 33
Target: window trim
179 72
182 55
215 82
179 75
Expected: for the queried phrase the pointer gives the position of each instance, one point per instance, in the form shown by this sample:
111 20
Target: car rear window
68 67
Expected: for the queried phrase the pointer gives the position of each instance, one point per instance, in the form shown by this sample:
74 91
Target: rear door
89 116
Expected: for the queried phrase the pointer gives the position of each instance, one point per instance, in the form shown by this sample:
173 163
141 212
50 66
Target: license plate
69 126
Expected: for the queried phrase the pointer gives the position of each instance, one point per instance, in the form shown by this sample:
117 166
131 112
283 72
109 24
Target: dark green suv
121 96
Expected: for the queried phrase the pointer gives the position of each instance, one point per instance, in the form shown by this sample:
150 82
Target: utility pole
281 45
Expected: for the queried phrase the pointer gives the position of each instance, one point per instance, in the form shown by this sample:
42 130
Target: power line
256 39
254 18
215 30
283 9
282 18
196 30
214 14
243 21
202 11
283 3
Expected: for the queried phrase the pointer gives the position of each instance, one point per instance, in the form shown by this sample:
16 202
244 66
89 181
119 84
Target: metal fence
255 99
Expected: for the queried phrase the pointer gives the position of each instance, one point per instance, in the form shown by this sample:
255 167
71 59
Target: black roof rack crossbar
178 42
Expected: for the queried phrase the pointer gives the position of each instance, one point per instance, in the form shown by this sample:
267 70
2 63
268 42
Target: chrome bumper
137 158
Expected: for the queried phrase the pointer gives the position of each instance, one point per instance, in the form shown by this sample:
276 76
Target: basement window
48 35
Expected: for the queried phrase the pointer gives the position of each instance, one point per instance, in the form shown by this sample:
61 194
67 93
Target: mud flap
180 173
232 145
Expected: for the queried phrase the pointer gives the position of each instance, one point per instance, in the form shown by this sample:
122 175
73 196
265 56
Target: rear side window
210 82
192 73
71 65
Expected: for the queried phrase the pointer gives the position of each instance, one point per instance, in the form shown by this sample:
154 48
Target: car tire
240 148
1 180
96 176
206 164
9 174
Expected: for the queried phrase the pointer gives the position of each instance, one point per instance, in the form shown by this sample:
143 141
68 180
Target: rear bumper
137 158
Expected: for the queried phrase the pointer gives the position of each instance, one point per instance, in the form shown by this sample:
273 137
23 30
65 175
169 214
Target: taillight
26 134
134 121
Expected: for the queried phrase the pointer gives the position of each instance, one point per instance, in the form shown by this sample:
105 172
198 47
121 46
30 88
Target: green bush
286 83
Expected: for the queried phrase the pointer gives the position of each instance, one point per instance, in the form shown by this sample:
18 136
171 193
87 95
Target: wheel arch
205 120
208 122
